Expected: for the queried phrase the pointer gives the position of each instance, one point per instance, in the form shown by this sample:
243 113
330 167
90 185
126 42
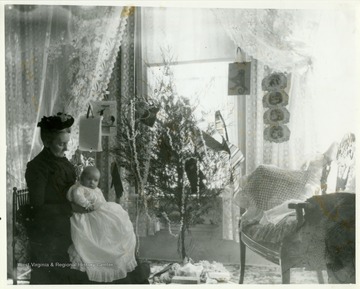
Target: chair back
345 159
20 200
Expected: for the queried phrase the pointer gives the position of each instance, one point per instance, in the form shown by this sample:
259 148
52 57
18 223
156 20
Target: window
206 85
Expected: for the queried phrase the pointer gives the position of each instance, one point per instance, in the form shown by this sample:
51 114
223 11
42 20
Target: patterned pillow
269 186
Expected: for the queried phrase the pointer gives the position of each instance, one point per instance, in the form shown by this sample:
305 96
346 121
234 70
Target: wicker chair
21 203
290 252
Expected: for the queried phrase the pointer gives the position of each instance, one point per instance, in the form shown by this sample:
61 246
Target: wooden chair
21 201
286 252
336 213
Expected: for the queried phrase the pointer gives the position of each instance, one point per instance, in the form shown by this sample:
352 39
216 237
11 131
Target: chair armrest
299 207
300 210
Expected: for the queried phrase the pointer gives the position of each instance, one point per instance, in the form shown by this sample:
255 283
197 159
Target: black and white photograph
179 142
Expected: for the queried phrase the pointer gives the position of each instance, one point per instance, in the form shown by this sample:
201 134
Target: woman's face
58 146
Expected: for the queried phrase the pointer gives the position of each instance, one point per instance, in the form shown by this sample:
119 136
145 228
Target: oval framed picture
275 98
274 81
277 115
277 133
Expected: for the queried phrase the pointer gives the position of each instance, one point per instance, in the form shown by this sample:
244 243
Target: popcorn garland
132 140
169 224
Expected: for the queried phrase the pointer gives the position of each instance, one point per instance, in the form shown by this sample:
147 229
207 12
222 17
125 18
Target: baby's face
91 180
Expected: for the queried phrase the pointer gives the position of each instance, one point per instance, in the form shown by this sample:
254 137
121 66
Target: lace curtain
57 58
281 39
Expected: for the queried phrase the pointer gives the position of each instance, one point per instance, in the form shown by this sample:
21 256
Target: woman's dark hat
56 122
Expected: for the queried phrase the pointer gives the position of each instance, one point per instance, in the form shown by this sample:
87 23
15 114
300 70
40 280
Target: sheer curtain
57 59
190 34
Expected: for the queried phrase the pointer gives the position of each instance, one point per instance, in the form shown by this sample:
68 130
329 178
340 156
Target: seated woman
49 176
103 239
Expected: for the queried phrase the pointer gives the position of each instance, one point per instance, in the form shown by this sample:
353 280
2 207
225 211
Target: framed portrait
277 133
239 78
276 115
276 98
107 110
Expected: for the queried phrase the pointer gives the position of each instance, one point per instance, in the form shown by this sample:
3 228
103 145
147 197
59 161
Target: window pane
206 85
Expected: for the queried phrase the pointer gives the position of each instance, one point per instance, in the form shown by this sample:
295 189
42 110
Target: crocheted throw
269 186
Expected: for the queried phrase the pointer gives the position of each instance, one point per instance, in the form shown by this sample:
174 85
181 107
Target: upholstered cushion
269 186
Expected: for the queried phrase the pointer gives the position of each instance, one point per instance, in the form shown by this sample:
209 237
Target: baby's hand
90 208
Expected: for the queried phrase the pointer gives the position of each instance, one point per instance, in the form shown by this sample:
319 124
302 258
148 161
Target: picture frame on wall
239 78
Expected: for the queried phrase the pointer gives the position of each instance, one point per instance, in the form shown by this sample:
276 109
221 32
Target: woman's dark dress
48 179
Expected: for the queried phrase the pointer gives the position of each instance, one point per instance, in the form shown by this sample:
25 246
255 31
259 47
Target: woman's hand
78 209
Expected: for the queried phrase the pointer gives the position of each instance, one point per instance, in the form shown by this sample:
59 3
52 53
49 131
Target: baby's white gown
103 240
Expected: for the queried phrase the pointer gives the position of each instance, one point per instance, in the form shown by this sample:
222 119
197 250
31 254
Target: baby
103 239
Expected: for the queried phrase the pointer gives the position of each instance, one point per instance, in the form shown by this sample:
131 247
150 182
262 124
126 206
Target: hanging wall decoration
277 98
90 132
274 82
239 75
276 115
107 110
277 133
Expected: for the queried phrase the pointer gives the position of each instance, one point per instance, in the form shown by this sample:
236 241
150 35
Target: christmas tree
185 177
